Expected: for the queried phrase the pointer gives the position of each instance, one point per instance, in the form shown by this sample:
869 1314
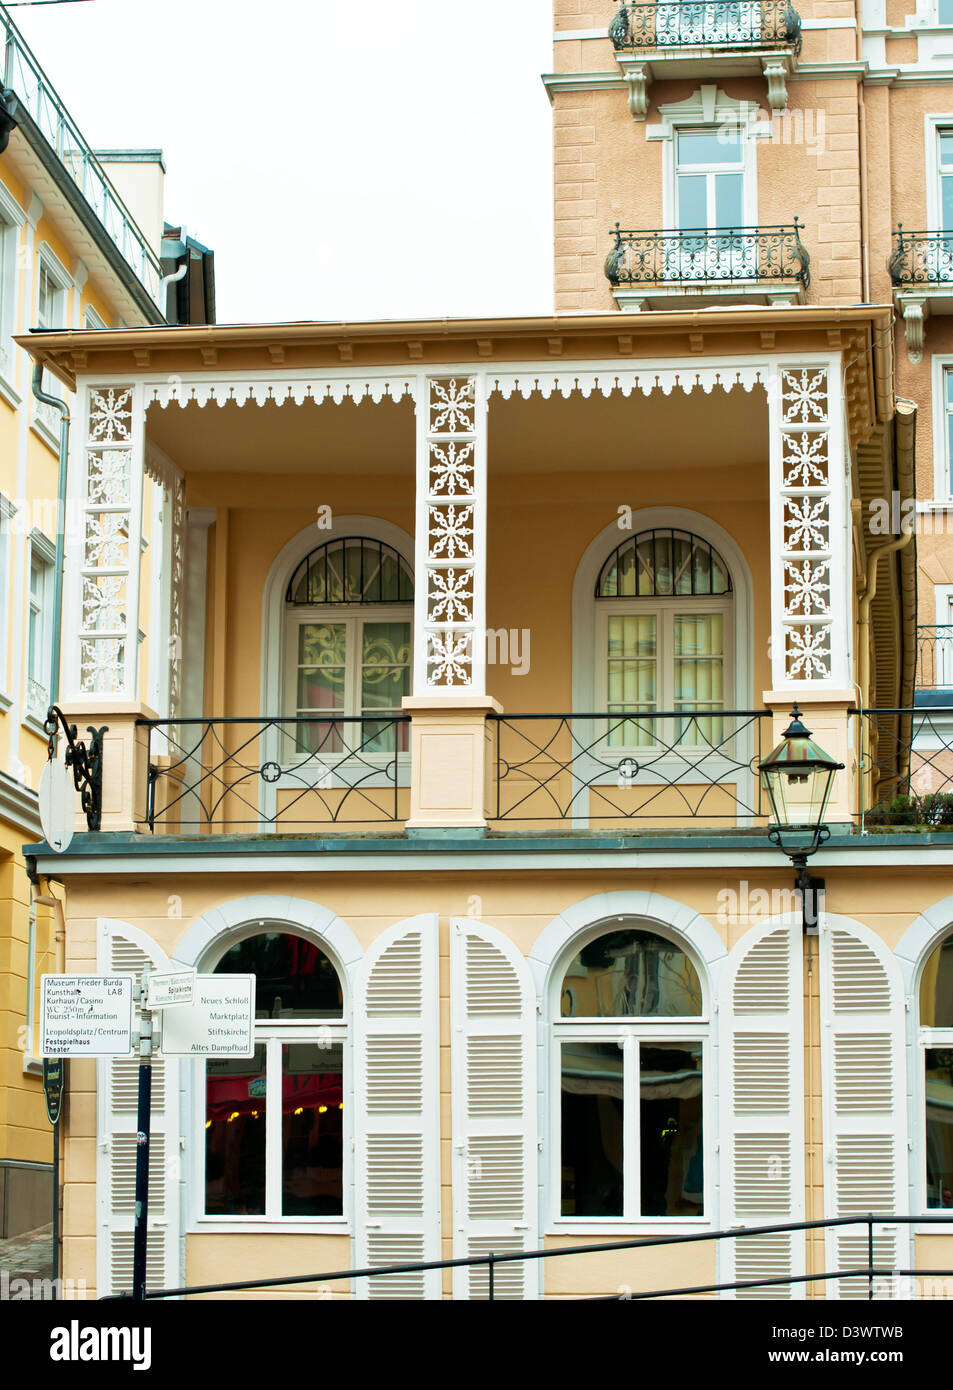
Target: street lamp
797 778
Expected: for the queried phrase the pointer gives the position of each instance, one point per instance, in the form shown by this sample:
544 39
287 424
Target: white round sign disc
57 805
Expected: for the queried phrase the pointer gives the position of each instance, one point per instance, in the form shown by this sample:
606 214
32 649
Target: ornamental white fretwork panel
808 550
171 576
450 535
101 646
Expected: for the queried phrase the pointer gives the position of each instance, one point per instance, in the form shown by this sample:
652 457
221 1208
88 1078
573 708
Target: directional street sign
219 1023
86 1016
165 991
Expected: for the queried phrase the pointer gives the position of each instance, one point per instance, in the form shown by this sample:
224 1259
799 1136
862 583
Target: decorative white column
450 543
810 561
101 608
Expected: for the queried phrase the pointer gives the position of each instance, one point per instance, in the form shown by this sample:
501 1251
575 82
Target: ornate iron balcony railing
921 258
689 765
220 775
935 658
699 256
905 762
23 75
707 24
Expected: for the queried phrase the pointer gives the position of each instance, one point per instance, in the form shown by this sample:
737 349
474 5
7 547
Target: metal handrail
491 1259
707 23
934 656
921 258
23 75
672 255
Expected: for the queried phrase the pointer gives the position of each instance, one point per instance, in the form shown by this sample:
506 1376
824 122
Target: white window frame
91 320
12 218
926 1038
942 460
628 1033
8 511
44 551
709 106
333 1032
933 123
48 263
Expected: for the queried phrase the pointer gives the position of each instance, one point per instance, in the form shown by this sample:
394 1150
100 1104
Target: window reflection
592 1129
939 1093
295 979
936 988
631 973
670 1123
235 1098
311 1130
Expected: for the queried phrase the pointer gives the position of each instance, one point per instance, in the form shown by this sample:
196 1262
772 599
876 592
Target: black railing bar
740 1232
925 711
862 1273
627 716
763 228
276 719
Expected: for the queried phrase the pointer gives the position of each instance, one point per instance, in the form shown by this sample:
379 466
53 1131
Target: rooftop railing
935 658
707 24
702 256
24 76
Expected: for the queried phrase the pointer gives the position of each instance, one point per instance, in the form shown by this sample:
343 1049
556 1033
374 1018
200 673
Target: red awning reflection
228 1095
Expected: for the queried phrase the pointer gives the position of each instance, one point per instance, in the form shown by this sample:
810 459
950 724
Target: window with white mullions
936 1040
709 200
663 616
274 1122
631 1041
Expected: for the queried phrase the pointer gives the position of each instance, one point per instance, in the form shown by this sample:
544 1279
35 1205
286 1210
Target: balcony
33 105
934 682
702 38
763 265
921 269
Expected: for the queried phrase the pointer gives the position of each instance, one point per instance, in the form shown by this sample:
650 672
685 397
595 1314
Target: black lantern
798 777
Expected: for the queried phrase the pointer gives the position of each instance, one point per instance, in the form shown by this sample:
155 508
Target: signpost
91 1016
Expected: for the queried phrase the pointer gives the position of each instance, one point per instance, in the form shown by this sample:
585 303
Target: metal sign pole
143 1115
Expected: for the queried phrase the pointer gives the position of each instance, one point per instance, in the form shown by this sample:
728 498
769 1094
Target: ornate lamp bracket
87 763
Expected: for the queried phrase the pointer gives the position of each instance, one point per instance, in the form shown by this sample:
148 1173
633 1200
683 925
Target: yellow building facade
72 256
475 636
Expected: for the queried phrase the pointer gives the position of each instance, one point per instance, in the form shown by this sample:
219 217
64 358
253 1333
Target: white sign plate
86 1016
164 991
219 1022
58 804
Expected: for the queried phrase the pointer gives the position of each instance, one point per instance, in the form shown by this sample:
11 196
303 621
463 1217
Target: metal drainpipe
62 407
168 280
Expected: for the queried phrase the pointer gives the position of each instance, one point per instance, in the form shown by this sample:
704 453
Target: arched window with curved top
347 652
275 1122
664 634
936 1034
631 1038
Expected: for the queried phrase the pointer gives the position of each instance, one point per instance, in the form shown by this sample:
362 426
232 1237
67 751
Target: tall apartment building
479 634
81 247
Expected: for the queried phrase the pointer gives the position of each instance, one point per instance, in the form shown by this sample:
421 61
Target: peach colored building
476 635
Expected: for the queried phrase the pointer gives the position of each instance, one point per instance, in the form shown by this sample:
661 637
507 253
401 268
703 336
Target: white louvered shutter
118 1086
865 1128
762 1083
396 1123
493 1110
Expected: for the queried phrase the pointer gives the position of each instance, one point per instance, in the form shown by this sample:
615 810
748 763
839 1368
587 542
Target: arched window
664 637
274 1122
936 1034
348 612
631 1037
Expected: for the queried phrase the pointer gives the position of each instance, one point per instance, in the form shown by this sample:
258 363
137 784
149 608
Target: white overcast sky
345 159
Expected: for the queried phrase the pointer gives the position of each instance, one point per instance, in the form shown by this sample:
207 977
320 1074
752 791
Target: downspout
61 406
168 280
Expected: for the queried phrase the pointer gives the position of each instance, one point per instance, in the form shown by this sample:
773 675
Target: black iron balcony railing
935 658
921 258
906 767
707 24
689 765
275 774
697 256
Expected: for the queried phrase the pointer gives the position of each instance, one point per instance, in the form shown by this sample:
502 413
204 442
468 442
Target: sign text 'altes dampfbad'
86 1016
219 1022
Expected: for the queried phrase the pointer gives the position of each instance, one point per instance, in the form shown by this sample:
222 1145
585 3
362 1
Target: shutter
864 1103
396 1129
763 1129
493 1110
125 950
